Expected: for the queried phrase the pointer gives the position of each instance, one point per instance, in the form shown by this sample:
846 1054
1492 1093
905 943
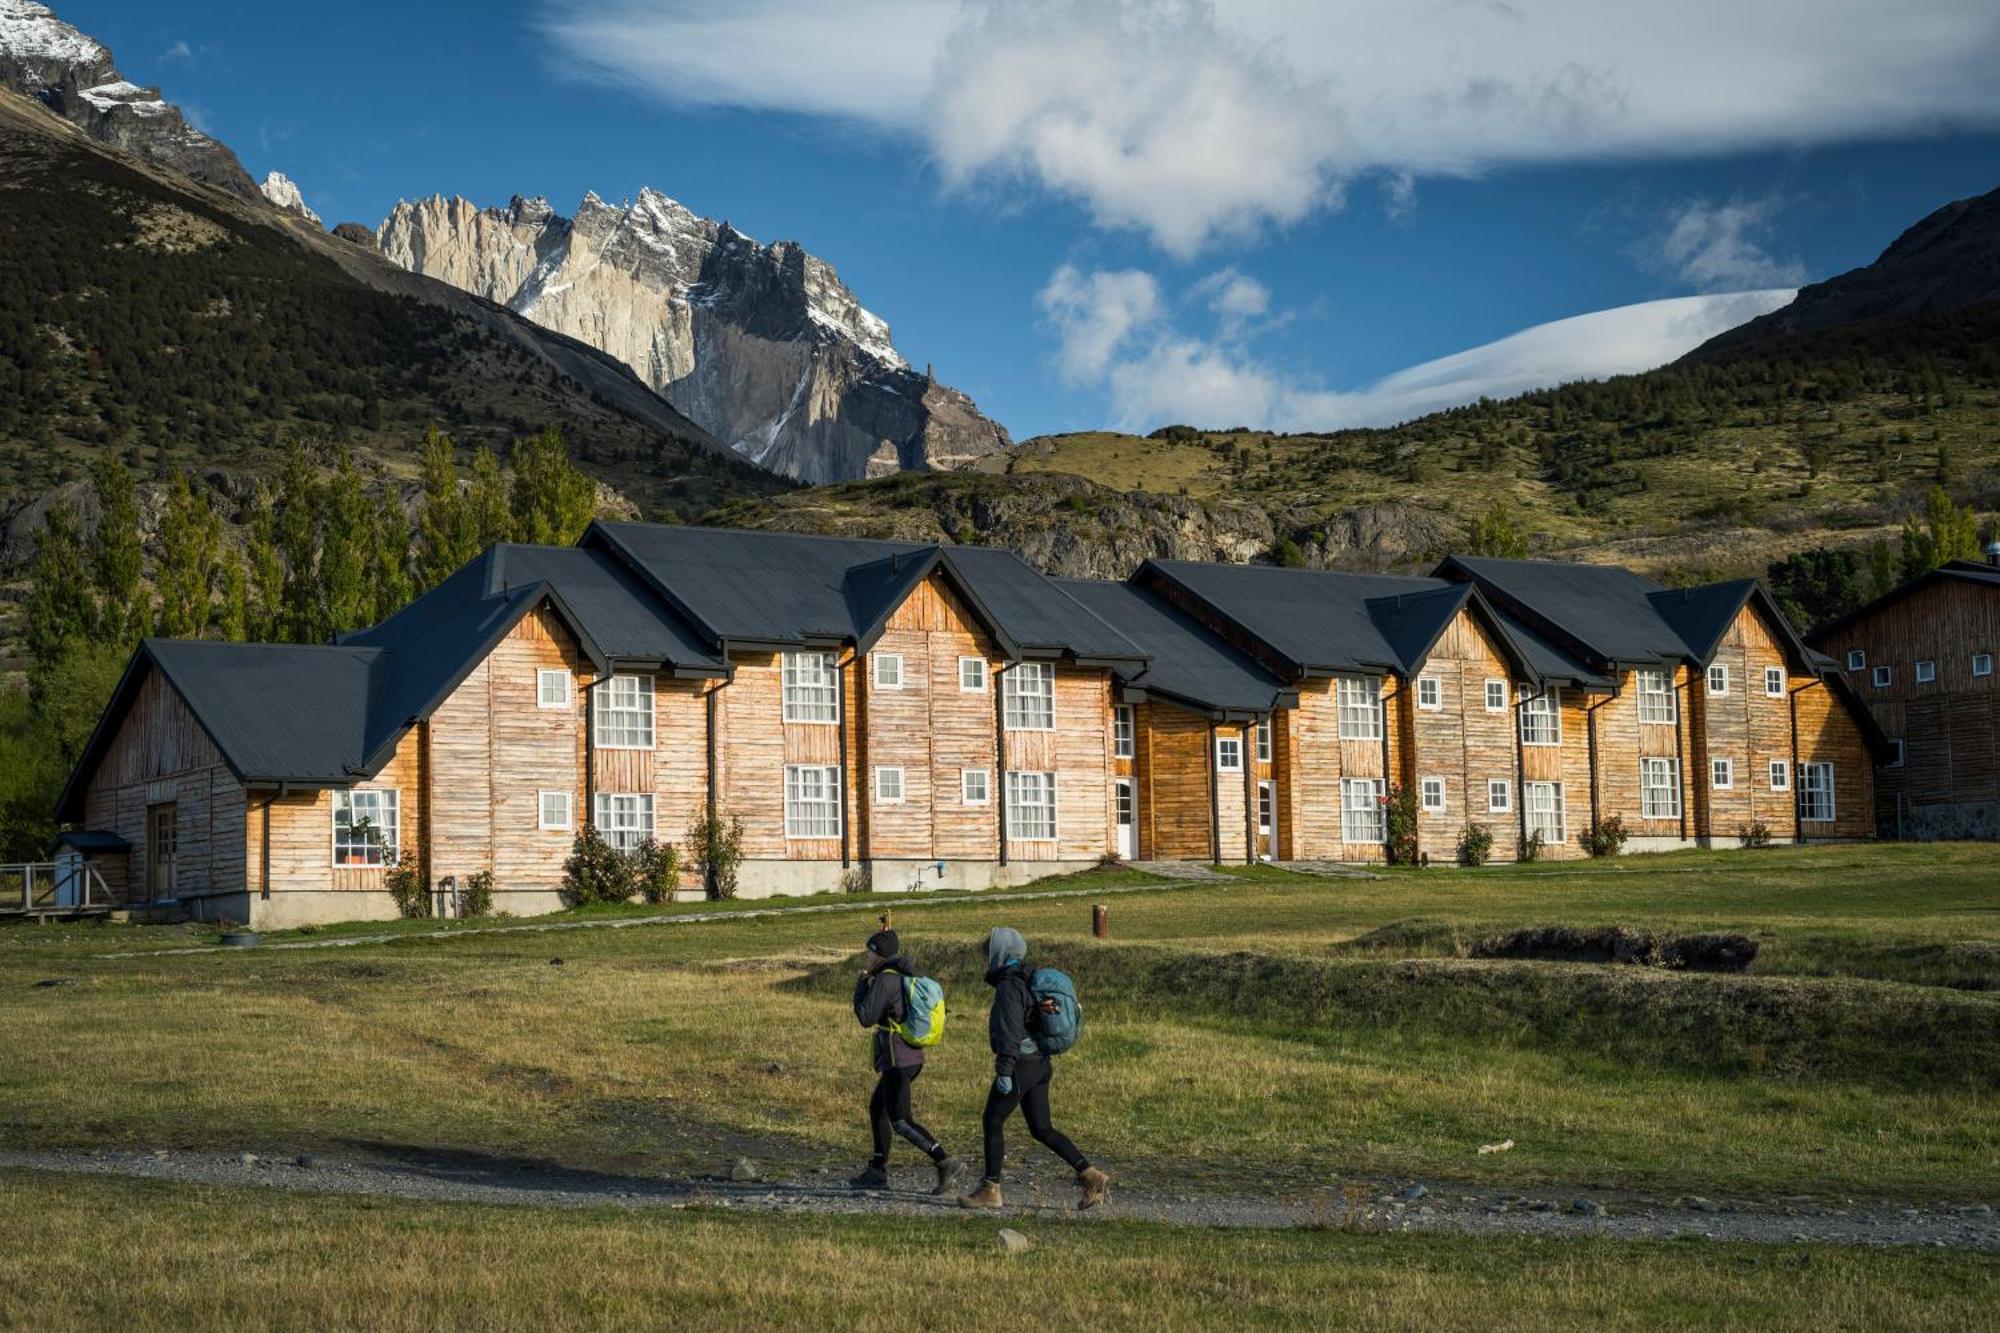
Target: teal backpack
1055 1030
923 1012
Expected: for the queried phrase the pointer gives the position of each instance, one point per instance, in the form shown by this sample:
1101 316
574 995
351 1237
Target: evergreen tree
190 550
57 613
487 502
302 615
1817 584
552 501
1495 534
264 615
1947 532
116 558
1881 568
347 549
389 560
232 613
446 533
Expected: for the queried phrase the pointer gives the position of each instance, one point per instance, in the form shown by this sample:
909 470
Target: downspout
1214 803
1000 757
264 857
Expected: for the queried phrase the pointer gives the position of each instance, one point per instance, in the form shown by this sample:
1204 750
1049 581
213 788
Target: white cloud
1095 316
180 50
1720 247
1154 372
1191 121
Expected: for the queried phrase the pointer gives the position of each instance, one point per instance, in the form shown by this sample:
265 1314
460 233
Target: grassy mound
1776 1027
1621 944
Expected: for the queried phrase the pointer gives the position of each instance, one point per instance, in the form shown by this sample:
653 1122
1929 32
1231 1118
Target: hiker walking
882 1000
1022 1065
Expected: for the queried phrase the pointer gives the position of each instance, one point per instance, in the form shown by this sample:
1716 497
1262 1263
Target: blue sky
1143 210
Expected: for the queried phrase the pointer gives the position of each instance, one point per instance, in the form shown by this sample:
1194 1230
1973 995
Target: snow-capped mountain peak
278 188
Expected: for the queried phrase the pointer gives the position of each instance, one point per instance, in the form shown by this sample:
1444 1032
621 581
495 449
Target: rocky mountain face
74 76
278 188
763 345
1948 261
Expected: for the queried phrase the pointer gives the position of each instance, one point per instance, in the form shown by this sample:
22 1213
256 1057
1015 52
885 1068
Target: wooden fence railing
42 888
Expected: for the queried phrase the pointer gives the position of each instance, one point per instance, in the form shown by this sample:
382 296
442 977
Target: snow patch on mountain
280 190
33 32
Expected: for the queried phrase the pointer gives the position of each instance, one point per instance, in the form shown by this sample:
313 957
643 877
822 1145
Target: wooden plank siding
1949 782
1462 743
160 754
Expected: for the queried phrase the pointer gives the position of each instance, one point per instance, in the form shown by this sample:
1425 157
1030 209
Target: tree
347 549
116 558
1817 584
1947 532
389 560
232 613
190 550
1881 568
302 615
57 612
486 503
447 535
1494 533
552 502
264 615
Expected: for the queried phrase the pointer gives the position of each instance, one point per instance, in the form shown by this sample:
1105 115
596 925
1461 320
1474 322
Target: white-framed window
1718 678
888 670
624 818
1657 701
1781 775
1124 723
1499 796
1926 672
1028 696
1543 804
1359 702
1266 807
1361 813
1541 717
366 827
888 786
1229 754
812 801
974 786
1031 806
1430 693
972 675
551 687
1982 664
1774 682
1882 676
623 713
1856 659
812 687
553 809
1430 794
1264 741
1659 788
1898 755
1722 773
1496 696
1816 793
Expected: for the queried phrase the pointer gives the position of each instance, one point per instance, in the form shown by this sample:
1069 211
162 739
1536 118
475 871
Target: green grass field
138 1256
1276 1032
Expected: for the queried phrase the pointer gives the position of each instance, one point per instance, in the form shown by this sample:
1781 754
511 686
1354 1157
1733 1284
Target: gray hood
1004 945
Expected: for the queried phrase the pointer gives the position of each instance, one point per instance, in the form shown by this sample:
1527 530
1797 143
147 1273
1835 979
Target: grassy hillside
1687 471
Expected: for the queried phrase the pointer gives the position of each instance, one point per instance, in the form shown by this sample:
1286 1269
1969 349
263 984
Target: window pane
1028 693
552 688
365 831
1263 742
555 810
1657 703
1545 812
1361 813
624 818
1816 793
1541 717
1496 696
972 786
1660 788
1031 805
1499 796
811 688
1122 728
972 673
812 801
624 712
1359 701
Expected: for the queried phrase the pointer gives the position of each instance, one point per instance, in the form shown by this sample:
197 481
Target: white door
1128 823
1267 826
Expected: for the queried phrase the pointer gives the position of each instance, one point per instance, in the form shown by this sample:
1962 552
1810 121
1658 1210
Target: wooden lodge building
1921 657
945 716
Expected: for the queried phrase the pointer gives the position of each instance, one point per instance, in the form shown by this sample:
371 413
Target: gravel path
1373 1206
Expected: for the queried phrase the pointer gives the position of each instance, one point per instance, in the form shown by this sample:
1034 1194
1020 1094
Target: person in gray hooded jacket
1021 1074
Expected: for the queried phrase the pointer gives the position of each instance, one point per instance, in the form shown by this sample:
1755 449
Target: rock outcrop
74 76
763 345
278 188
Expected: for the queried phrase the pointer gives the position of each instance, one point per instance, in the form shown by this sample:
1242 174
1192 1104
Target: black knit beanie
883 944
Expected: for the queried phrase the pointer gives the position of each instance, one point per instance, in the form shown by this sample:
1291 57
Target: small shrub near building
405 883
1399 811
596 872
1606 836
1475 845
1754 834
476 898
656 868
716 843
1531 846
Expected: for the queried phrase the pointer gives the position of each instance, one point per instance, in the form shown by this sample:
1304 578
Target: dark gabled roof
1702 615
1605 611
613 608
1961 571
788 588
90 840
1189 664
1317 621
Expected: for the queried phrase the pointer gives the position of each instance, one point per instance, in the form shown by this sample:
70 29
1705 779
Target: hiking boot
874 1178
947 1173
1096 1187
986 1196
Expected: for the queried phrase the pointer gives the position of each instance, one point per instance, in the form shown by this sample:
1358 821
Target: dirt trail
1047 1195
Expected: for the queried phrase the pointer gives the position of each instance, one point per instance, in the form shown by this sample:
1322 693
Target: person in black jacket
1021 1073
878 1002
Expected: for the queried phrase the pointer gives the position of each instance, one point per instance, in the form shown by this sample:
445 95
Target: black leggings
1031 1094
889 1109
